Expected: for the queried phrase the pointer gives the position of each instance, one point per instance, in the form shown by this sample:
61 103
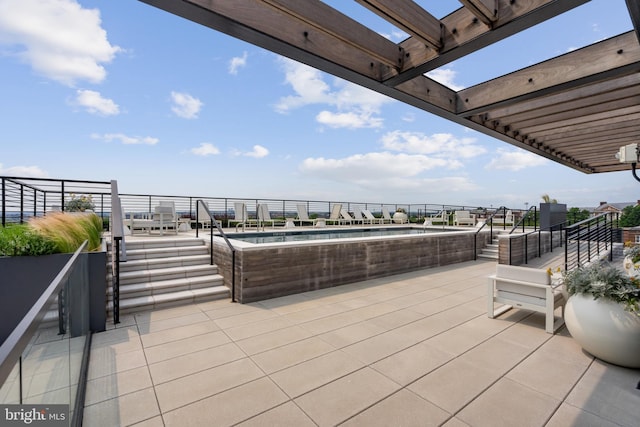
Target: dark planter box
552 214
24 279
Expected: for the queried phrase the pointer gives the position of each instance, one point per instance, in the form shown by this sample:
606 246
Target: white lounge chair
525 288
240 216
165 217
303 215
345 217
371 218
507 219
386 216
204 219
264 216
441 217
359 216
334 217
463 218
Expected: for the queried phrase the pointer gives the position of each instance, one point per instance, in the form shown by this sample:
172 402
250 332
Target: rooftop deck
411 349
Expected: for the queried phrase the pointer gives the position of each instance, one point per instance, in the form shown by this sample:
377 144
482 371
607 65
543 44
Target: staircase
491 250
166 272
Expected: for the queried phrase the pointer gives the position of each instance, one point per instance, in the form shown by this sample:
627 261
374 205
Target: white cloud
127 140
185 105
349 120
446 77
515 160
439 144
23 171
258 152
395 35
205 149
237 62
95 103
387 171
355 106
59 39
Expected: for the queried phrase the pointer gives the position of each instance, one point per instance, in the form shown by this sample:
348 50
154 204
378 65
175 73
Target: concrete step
158 263
157 274
135 290
171 299
161 243
165 252
488 256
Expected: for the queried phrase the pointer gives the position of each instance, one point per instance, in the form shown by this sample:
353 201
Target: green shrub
79 204
630 216
22 240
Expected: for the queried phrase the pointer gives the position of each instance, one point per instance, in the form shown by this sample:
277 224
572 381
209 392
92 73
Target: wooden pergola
577 109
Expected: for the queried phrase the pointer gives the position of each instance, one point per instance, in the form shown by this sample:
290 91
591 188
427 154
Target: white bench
525 288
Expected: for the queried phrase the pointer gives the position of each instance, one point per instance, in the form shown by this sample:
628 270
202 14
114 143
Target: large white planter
400 218
604 329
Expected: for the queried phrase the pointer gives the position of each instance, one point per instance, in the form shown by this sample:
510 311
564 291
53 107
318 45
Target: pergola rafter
576 109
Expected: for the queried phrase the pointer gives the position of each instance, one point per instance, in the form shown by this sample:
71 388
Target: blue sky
117 89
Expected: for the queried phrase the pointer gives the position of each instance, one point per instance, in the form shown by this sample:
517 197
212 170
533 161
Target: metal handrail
524 217
582 232
226 239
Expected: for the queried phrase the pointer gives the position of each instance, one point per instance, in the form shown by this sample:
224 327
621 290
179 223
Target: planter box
24 279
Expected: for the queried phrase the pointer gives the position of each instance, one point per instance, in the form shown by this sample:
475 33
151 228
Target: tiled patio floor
415 349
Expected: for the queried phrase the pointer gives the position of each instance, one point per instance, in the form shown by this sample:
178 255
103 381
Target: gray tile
287 415
403 408
192 388
343 398
509 404
230 407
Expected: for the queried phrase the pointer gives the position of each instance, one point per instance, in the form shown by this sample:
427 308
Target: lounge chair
204 219
371 218
264 216
303 215
240 216
358 216
165 217
334 217
441 217
386 216
463 218
525 288
345 217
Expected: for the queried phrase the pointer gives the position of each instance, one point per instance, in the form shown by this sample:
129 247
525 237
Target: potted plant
603 313
400 216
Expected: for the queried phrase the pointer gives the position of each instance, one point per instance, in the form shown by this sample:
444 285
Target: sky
117 89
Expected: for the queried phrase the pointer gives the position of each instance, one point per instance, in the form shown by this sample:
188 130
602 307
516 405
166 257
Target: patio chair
463 218
204 219
165 217
334 217
303 215
441 217
371 218
386 216
507 219
264 216
359 217
240 216
345 217
528 289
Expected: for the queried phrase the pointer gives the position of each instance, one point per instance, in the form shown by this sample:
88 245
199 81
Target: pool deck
411 349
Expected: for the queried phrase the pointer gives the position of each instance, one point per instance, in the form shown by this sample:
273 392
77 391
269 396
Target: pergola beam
485 10
634 13
410 17
611 58
465 34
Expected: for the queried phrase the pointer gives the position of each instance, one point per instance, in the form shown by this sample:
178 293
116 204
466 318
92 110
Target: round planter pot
604 329
400 217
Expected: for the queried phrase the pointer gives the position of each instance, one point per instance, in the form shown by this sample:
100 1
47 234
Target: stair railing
226 239
488 220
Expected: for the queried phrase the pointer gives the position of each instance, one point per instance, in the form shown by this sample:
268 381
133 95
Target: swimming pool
306 235
269 270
